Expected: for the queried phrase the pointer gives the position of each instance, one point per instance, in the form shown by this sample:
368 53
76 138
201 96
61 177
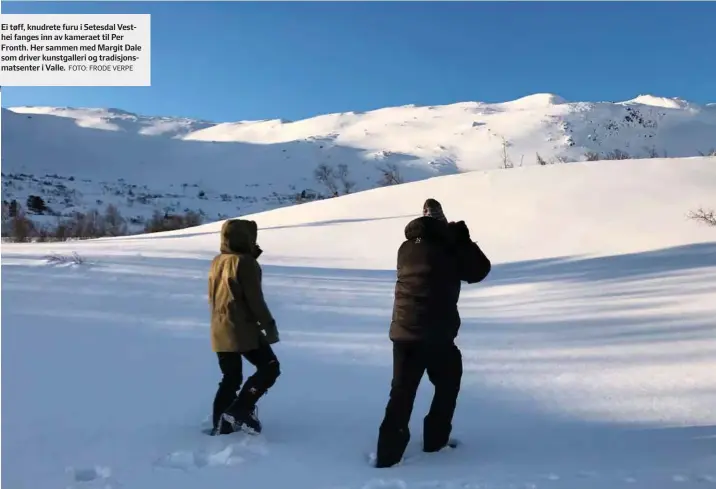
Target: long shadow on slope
628 312
336 221
505 429
328 222
616 267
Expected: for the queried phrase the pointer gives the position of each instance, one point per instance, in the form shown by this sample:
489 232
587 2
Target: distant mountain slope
83 158
121 120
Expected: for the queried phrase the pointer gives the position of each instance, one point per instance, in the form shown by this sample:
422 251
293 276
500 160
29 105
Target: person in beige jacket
241 327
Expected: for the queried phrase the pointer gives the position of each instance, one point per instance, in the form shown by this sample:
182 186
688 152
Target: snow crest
79 159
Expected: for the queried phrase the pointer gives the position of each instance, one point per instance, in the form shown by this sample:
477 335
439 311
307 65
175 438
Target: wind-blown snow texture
86 158
589 351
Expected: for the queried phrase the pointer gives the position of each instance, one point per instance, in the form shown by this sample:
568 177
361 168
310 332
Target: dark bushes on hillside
165 222
17 227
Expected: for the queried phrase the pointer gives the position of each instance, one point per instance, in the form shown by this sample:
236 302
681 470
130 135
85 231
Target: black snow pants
231 364
443 363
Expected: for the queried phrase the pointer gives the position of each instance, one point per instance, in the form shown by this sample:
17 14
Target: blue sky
228 61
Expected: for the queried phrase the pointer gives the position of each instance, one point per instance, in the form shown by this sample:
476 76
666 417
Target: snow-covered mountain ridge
77 159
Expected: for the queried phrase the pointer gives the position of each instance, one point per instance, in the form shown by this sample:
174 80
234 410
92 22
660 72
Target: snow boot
452 443
243 420
391 447
223 427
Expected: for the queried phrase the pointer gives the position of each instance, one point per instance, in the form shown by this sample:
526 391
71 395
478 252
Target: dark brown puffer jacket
432 262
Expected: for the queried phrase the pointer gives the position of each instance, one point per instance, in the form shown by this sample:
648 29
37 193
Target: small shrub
390 175
652 152
707 217
506 161
13 208
22 229
192 219
36 204
114 223
617 154
165 222
57 259
342 175
592 156
326 176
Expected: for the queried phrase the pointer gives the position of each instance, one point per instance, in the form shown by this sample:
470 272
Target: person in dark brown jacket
434 259
241 327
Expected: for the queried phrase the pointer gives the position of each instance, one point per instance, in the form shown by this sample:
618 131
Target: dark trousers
231 364
443 364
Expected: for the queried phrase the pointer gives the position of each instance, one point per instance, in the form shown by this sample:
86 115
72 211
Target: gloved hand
270 332
462 233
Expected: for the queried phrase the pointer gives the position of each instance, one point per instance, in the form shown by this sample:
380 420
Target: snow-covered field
79 159
589 351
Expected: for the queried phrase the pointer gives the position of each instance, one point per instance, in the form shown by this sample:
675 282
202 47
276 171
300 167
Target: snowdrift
603 207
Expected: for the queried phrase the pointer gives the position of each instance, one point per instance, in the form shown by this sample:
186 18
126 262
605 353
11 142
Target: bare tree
93 225
13 207
617 154
704 216
22 229
346 182
325 175
114 223
5 219
506 162
651 152
62 230
711 152
192 219
541 161
390 175
164 222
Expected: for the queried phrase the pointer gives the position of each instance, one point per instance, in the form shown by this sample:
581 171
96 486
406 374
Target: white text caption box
75 50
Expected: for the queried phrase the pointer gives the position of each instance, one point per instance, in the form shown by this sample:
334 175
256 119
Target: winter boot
391 447
223 427
243 420
451 443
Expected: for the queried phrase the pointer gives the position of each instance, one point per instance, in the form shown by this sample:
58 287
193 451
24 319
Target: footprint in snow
587 474
232 453
86 475
386 484
197 459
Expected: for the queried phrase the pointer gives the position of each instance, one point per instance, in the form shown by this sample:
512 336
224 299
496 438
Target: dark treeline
17 226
